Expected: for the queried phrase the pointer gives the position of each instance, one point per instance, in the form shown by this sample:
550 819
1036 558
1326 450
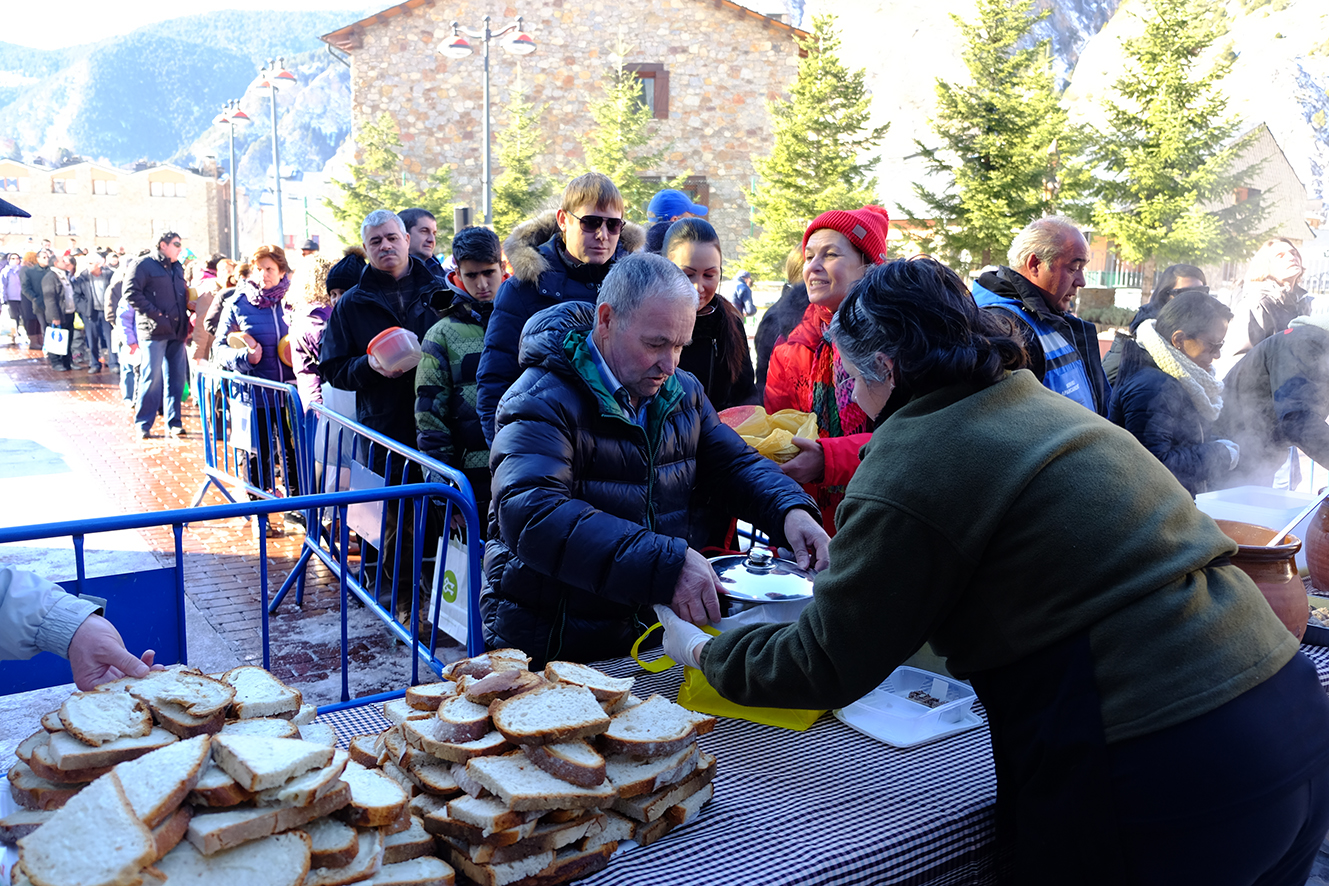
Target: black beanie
346 273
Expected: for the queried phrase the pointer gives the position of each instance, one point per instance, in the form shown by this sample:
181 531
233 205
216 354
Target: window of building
166 189
58 186
65 226
105 186
15 225
106 227
8 184
654 80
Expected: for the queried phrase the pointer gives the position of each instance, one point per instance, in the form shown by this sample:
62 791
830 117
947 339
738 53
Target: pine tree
379 181
1166 160
820 134
518 192
618 143
998 138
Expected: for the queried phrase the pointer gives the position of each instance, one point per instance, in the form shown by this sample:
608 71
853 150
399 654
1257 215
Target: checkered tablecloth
825 806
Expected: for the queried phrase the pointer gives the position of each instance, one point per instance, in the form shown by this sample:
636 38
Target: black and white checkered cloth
825 806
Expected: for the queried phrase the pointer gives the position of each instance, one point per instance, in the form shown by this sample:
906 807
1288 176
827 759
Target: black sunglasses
591 223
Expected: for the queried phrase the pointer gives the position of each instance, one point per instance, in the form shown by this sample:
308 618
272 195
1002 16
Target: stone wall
724 63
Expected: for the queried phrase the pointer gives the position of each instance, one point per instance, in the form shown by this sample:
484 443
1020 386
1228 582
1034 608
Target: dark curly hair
919 313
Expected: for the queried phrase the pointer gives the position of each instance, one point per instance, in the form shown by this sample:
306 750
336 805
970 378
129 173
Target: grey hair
380 217
640 276
1044 237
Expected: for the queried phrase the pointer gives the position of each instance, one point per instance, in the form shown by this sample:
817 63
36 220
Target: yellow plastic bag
697 694
770 434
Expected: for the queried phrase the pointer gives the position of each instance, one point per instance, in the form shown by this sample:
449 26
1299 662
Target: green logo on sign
450 586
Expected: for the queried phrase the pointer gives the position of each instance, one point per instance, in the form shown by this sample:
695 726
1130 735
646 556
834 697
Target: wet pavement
69 451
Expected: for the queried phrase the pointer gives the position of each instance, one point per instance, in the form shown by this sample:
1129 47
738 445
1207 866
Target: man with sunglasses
556 257
156 289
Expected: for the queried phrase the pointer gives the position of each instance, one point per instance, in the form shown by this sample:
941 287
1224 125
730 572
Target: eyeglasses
176 243
591 223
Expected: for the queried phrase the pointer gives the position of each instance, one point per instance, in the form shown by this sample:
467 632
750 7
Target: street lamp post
458 47
270 78
231 115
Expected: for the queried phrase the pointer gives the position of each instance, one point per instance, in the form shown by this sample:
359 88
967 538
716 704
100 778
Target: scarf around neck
1202 386
268 297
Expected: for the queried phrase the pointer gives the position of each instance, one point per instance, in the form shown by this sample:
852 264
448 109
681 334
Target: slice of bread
524 786
277 860
307 714
319 733
51 722
487 662
215 787
157 783
416 734
604 687
432 775
363 751
176 720
466 783
401 825
426 804
187 689
544 837
333 843
259 694
212 831
98 717
488 813
614 828
460 720
500 685
421 871
368 859
634 776
574 761
443 826
18 824
399 776
257 762
33 792
413 842
171 831
646 833
555 713
649 807
272 727
396 710
654 728
95 840
376 800
505 874
25 748
44 767
306 788
426 696
628 701
68 752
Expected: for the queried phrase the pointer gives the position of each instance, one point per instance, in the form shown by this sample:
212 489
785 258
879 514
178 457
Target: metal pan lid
760 577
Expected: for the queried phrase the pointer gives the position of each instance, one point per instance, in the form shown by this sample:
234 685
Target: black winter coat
156 288
1156 409
706 358
382 404
592 516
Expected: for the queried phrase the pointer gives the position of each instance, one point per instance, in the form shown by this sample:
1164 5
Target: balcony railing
1114 279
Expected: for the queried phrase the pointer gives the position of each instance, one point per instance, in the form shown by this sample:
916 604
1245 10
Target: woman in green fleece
1152 720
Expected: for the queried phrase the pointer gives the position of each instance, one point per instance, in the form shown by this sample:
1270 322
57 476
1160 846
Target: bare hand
255 353
97 655
378 367
133 349
696 593
809 466
807 539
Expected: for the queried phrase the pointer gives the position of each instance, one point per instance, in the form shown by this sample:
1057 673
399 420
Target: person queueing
1152 721
718 354
1166 393
1174 280
805 372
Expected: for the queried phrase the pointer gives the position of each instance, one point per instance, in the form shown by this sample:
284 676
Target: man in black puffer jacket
599 449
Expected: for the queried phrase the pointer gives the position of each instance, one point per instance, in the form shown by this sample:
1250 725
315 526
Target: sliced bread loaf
333 843
157 783
277 860
654 728
99 818
69 753
555 713
426 696
604 687
524 786
257 762
259 694
368 859
419 871
98 717
574 761
272 727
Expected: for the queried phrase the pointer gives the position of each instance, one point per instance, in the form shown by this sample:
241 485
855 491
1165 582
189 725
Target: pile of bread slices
534 778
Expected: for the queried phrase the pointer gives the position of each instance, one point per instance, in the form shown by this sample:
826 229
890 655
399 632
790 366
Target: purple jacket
11 282
307 325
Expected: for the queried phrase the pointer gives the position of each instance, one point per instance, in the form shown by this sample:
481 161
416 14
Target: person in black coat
600 447
1167 396
781 318
1174 280
156 289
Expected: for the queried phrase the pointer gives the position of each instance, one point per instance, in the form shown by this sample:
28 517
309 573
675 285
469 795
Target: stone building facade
709 67
92 205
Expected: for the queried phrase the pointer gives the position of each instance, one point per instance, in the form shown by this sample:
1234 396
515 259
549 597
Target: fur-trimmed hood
522 247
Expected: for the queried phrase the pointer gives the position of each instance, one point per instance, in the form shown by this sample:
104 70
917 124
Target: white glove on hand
682 641
1234 450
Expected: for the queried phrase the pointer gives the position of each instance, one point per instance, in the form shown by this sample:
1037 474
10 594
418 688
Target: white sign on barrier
365 518
241 412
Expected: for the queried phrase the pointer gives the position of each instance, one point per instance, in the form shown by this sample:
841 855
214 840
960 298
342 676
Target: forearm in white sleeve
37 615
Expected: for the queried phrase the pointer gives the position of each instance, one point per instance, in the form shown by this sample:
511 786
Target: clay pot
1273 569
1317 548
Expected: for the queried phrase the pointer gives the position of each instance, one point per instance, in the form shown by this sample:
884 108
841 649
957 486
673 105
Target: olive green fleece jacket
996 521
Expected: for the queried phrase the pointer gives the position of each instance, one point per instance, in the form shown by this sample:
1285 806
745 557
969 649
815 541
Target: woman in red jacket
806 372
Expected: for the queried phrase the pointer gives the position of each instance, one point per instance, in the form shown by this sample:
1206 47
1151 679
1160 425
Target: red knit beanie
866 228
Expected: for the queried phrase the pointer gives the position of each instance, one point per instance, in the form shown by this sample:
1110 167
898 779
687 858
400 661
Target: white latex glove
1234 450
683 642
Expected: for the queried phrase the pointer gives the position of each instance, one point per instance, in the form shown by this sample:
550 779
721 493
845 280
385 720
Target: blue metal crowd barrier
253 435
146 628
